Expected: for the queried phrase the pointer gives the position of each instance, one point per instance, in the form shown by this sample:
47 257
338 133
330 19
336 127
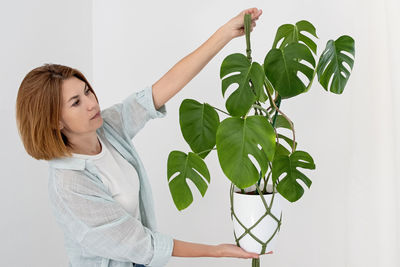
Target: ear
60 125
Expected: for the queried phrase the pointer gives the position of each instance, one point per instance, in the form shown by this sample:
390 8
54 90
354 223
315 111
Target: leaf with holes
290 33
331 64
250 78
199 124
189 166
238 138
282 65
287 165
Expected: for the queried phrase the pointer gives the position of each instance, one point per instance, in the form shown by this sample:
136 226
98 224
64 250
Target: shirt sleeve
134 112
103 228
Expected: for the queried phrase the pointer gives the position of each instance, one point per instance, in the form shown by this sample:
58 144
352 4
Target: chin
99 122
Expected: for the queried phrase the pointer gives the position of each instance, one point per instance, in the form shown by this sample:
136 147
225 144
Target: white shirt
98 231
118 175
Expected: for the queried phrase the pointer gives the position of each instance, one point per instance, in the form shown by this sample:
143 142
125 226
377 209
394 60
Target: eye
76 103
87 91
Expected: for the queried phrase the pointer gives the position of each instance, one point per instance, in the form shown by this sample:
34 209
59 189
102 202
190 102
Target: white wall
350 216
34 33
135 43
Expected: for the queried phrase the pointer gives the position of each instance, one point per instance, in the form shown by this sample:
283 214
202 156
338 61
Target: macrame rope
247 231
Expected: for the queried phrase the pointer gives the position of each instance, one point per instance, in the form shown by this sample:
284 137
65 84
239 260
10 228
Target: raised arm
188 67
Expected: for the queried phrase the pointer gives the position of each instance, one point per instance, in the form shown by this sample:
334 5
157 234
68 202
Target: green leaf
189 167
282 65
287 140
292 34
238 138
268 85
257 77
281 151
282 122
288 186
331 67
199 124
241 72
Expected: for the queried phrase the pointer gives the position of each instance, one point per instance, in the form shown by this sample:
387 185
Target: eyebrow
76 96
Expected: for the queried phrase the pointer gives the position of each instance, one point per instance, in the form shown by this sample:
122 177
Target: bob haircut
38 111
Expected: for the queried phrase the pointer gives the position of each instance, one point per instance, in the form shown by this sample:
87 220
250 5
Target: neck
87 145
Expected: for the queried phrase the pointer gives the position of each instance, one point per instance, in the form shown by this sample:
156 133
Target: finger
251 256
271 252
255 12
255 256
256 15
256 18
250 10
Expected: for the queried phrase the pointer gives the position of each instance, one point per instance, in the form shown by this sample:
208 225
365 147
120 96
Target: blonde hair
38 110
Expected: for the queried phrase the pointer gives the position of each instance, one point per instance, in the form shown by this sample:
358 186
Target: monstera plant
252 150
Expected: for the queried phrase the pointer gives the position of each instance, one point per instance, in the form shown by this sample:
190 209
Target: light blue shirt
97 230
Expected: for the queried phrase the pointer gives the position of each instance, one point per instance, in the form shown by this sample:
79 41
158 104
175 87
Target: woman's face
80 112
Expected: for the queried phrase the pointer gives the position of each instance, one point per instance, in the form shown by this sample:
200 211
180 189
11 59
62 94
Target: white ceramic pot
249 209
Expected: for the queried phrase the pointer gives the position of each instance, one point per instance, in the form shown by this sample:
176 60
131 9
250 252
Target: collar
71 163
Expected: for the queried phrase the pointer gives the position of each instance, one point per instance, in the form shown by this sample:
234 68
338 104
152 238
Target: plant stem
205 151
259 180
278 104
266 182
220 110
247 22
245 116
268 117
286 117
263 109
259 107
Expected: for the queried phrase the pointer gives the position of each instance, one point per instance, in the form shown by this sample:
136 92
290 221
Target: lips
95 116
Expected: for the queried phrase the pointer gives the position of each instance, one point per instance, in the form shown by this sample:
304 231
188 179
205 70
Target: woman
95 172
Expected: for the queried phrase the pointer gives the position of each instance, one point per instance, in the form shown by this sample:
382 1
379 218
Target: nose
91 103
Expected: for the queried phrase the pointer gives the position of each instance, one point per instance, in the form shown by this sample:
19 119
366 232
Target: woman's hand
188 67
233 251
189 249
235 27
